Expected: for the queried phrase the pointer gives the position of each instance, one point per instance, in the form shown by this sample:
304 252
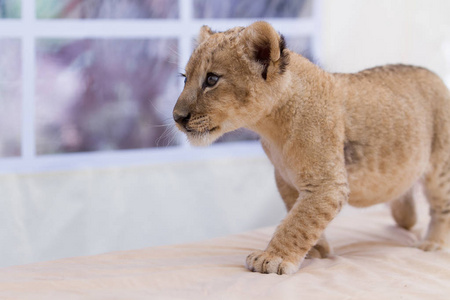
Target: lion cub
361 138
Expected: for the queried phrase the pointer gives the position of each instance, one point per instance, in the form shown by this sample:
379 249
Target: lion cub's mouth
202 131
200 125
202 137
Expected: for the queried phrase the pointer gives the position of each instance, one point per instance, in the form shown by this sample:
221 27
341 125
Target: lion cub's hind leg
437 190
320 250
404 211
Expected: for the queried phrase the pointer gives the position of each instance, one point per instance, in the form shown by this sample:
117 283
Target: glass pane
252 8
105 94
10 97
106 9
10 9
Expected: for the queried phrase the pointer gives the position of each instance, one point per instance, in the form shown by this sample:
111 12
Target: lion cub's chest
275 155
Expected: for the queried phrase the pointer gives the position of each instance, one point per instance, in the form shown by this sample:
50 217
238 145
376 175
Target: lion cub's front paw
265 262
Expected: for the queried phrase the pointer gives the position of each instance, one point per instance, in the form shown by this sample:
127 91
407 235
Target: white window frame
28 29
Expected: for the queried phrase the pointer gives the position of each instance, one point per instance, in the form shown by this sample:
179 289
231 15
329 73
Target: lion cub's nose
181 118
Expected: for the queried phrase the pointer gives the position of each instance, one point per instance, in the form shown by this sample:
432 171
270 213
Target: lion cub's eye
211 80
185 77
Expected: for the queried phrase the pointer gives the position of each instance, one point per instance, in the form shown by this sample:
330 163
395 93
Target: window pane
105 94
252 8
10 9
10 97
106 9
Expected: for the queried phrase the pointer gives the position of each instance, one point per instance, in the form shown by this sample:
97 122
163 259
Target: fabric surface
372 259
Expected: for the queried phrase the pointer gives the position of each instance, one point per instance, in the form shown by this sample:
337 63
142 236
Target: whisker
159 125
171 137
160 137
168 120
169 134
174 51
155 108
175 57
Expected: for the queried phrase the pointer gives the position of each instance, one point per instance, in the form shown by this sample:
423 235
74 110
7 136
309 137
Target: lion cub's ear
205 33
265 47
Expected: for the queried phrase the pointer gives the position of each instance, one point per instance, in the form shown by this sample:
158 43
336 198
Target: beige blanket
373 259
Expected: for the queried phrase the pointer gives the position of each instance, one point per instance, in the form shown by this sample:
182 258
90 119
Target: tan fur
361 138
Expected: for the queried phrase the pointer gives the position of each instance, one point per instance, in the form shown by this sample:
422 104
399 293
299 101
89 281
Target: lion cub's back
389 114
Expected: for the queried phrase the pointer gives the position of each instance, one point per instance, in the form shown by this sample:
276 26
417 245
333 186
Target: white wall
358 34
69 213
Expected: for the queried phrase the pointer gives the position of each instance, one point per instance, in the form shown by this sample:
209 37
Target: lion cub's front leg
290 196
301 229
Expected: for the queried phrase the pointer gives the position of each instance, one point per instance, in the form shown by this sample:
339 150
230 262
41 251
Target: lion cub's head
231 81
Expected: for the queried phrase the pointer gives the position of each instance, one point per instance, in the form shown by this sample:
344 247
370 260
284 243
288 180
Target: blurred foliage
106 9
103 94
10 9
252 8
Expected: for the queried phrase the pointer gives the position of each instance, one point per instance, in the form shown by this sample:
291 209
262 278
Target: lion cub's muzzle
181 118
198 124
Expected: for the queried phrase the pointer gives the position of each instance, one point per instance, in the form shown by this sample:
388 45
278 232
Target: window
10 93
84 82
10 9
